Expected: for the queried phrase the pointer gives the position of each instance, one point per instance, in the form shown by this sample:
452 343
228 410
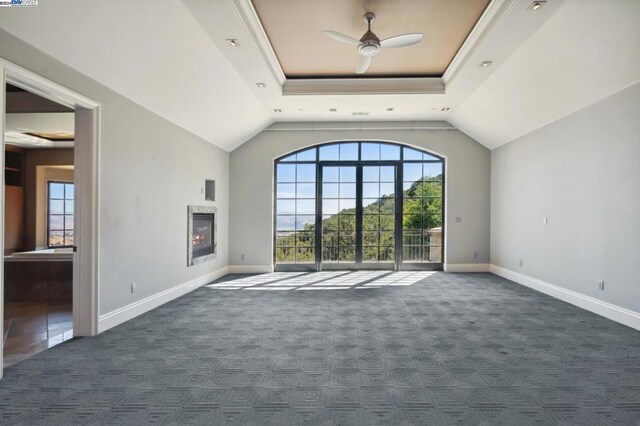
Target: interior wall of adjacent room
150 171
252 174
33 207
582 173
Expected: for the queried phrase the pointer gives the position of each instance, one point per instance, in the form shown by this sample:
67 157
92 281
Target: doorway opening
39 236
359 205
66 208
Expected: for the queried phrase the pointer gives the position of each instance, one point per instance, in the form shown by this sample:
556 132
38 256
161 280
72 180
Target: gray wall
150 171
251 177
583 173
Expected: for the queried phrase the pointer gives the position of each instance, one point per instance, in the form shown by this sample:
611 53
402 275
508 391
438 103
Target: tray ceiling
294 29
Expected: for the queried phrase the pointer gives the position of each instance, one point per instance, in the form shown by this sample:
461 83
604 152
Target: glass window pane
330 238
412 154
286 207
330 190
370 222
329 223
348 151
347 205
412 172
329 253
330 152
68 206
347 174
347 222
56 207
370 206
387 222
370 238
411 237
285 223
56 222
68 222
68 238
286 172
330 207
306 207
347 239
432 171
370 254
430 157
371 190
331 174
289 158
386 238
306 190
347 190
389 152
387 174
285 255
306 172
305 239
56 190
347 254
305 255
387 254
305 222
387 189
371 174
68 191
370 151
56 238
411 253
286 190
308 155
285 239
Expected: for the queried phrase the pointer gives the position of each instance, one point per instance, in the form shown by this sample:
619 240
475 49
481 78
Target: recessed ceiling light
536 5
261 85
277 110
333 109
445 109
232 42
390 109
485 64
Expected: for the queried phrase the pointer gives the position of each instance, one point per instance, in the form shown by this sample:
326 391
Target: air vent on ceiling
360 113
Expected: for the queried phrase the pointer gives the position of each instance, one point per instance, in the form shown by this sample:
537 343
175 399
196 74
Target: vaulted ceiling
545 64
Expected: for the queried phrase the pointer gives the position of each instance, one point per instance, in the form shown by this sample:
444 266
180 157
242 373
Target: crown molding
493 14
251 21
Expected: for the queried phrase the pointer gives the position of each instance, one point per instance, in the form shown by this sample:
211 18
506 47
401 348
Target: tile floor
30 328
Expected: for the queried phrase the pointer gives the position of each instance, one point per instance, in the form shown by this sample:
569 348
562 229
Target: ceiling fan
369 45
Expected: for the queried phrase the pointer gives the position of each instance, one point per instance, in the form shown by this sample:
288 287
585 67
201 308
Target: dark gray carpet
451 349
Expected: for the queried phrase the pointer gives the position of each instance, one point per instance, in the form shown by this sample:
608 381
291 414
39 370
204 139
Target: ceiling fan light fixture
369 48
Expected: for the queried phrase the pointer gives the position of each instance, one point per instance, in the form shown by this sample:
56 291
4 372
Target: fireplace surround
202 234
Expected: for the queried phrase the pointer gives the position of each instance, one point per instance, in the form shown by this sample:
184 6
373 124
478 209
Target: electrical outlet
458 219
242 256
133 287
475 254
601 285
520 263
544 220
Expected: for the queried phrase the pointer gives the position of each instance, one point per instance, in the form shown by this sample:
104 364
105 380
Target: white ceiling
546 64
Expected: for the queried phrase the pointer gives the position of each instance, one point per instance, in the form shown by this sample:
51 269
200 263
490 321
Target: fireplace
202 244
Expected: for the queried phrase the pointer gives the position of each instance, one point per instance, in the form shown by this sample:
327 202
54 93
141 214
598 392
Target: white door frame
87 189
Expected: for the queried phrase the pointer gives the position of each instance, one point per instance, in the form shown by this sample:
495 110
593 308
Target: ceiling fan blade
402 40
341 37
363 64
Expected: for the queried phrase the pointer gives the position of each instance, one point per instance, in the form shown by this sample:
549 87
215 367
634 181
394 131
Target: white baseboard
605 309
131 311
466 267
250 269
